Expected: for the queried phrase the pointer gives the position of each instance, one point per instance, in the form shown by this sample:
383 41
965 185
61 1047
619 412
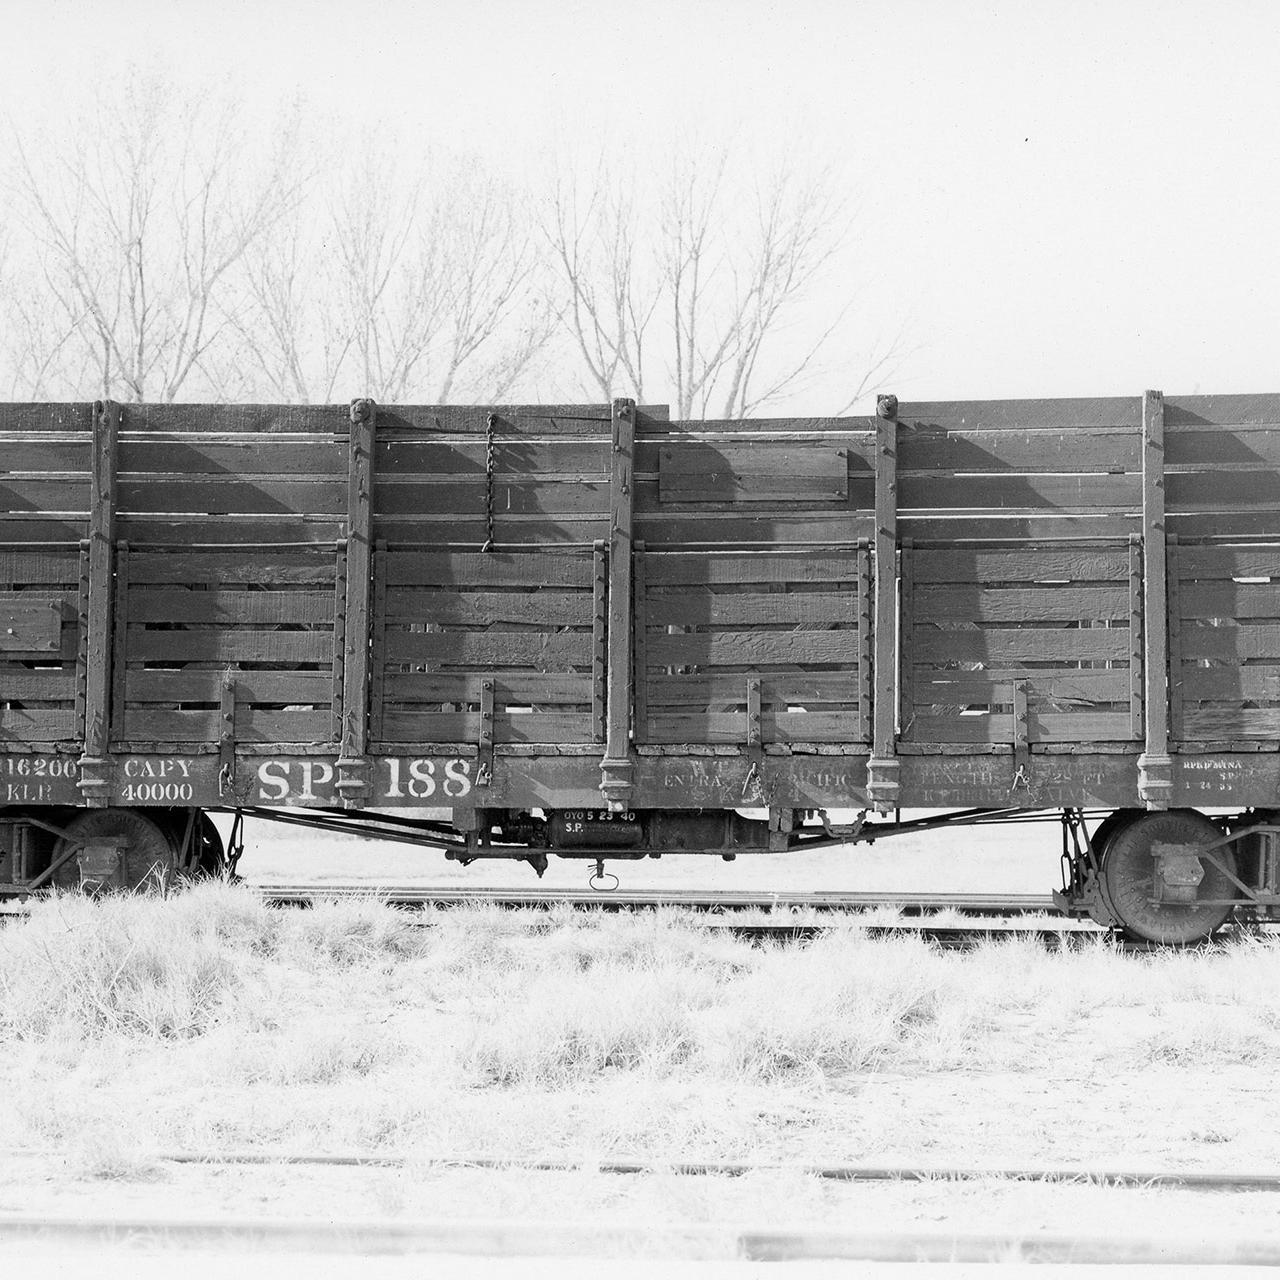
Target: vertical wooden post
599 636
352 783
864 642
882 767
906 625
617 767
1137 678
639 647
1174 568
94 781
378 644
120 635
1155 765
339 633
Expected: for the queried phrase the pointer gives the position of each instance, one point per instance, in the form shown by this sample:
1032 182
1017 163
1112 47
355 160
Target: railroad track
969 904
628 1165
987 916
525 1239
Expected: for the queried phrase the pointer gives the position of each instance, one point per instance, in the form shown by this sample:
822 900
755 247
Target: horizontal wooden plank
235 419
1206 563
1034 493
1022 644
1248 446
512 459
19 417
1044 726
706 608
924 450
715 429
1231 491
678 530
763 471
1005 415
544 650
454 496
68 494
230 607
231 530
800 689
1229 682
1250 641
1030 564
1233 410
1227 599
674 568
522 534
932 687
206 686
229 646
540 607
21 528
233 495
51 567
283 567
46 455
1060 526
526 569
37 724
752 648
23 684
555 420
1231 722
731 727
464 726
269 455
1241 525
29 624
536 688
707 528
1066 603
252 725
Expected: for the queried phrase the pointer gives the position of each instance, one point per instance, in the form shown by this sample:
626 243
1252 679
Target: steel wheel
1128 877
149 857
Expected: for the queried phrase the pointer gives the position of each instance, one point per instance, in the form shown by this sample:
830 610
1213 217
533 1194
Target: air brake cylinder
594 829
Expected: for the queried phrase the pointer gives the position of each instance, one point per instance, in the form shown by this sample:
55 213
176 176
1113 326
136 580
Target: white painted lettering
422 781
457 778
273 774
314 772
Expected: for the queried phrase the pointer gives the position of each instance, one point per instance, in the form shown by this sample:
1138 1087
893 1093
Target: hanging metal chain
488 479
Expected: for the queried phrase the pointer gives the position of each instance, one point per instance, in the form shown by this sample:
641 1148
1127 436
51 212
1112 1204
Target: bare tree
405 286
715 278
607 284
140 219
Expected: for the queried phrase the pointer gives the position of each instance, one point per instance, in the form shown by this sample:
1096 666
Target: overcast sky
1056 198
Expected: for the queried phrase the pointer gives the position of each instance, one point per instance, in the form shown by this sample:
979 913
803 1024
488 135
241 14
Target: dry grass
207 1021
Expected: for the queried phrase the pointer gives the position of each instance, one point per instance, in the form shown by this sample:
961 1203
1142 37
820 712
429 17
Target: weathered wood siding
1016 552
46 452
450 623
708 625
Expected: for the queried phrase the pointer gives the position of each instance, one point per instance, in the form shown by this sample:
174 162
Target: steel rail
1185 1179
698 899
496 1238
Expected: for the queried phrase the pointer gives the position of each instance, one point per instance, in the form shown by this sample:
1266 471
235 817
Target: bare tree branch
717 276
137 232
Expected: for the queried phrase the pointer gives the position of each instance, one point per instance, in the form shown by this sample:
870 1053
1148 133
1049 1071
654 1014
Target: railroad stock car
592 632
